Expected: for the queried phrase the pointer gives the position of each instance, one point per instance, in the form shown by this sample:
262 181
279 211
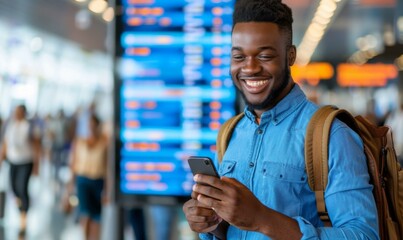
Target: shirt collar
282 109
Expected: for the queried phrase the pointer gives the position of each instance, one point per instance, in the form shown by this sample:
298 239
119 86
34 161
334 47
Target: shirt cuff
307 229
206 236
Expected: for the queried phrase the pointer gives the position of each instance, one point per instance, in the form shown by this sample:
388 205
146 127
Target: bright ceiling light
321 20
80 1
109 14
400 24
315 31
97 6
327 6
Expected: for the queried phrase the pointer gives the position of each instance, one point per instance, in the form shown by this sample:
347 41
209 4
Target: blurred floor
45 220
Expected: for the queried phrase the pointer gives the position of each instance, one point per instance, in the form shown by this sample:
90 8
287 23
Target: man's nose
251 65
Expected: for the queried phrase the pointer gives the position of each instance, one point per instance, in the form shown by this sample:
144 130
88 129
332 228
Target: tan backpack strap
316 151
314 148
224 135
316 143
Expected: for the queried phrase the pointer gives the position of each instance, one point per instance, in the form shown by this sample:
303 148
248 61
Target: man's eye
237 57
265 57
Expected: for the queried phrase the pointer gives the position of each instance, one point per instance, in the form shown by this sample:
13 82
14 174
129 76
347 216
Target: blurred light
83 19
360 43
327 6
97 6
389 36
321 20
36 44
399 62
109 14
400 24
316 30
80 1
312 73
366 75
372 41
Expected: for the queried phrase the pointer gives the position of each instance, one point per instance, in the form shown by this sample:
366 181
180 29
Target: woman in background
89 164
21 148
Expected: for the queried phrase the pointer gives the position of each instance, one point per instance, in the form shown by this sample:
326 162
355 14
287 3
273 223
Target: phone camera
206 162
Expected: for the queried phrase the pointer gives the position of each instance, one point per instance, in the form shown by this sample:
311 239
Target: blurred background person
89 166
21 148
60 145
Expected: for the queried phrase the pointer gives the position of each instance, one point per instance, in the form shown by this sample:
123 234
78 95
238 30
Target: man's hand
201 218
231 200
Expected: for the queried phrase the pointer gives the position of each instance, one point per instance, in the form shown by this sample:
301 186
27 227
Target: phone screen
202 165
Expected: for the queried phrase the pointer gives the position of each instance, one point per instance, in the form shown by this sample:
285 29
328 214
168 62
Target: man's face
260 61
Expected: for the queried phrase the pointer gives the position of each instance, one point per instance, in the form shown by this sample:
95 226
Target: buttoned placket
257 145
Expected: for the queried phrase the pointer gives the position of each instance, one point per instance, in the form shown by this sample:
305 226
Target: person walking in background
263 192
60 146
21 148
89 166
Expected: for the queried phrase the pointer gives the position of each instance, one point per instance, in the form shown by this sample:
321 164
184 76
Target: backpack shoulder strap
316 151
224 135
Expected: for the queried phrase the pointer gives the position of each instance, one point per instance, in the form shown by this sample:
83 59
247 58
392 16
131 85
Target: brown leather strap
316 151
224 135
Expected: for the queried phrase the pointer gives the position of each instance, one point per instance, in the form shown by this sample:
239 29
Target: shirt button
251 164
259 131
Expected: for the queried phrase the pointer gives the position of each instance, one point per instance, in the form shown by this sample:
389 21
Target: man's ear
292 55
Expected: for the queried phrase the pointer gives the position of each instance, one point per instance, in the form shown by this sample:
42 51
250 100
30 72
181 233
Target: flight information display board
173 90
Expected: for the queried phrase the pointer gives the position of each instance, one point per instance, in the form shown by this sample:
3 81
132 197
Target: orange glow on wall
367 75
312 73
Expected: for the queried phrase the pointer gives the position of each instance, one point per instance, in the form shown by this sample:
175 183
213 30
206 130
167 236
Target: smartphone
202 165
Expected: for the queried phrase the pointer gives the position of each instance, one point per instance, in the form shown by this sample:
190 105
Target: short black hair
273 11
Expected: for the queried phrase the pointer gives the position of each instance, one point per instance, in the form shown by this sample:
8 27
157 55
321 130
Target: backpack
386 174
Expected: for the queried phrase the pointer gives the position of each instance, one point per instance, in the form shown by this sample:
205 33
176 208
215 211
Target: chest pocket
281 187
227 168
282 172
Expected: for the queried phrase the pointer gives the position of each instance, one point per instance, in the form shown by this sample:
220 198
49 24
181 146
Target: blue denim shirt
269 160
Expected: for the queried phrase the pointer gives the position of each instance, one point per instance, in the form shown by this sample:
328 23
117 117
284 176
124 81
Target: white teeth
255 83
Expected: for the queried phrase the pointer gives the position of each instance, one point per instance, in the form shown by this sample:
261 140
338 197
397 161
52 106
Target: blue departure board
173 90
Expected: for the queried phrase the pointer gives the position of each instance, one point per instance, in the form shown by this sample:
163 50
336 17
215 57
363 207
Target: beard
266 103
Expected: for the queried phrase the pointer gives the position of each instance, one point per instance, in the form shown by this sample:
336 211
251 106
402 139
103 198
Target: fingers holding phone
200 217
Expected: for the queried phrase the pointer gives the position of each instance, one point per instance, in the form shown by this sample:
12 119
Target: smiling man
263 191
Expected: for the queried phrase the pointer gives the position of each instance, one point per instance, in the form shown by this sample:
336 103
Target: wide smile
254 86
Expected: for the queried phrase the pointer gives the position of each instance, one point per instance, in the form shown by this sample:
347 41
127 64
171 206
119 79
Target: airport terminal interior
155 73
